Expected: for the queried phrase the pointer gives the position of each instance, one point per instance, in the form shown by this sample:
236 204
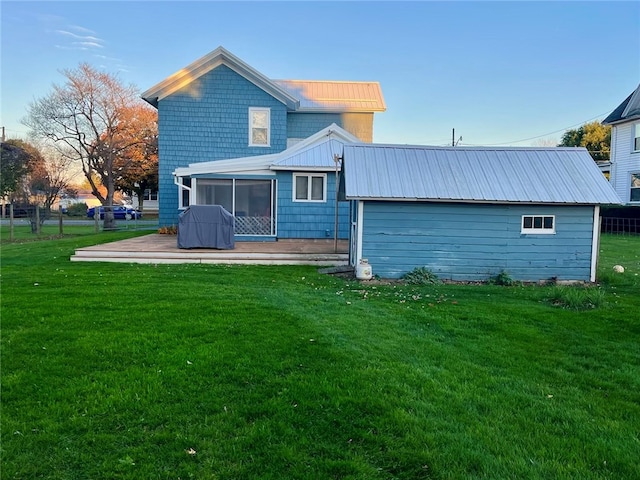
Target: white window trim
635 133
631 188
309 176
259 109
537 231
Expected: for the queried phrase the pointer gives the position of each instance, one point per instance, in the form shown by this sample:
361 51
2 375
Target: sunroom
244 187
290 194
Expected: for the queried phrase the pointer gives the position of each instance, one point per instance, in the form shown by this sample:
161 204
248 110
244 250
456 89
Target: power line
538 136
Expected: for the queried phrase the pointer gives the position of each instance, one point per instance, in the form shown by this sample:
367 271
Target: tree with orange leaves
138 165
87 120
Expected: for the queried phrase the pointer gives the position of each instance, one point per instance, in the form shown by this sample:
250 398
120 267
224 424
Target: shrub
421 276
503 278
77 210
172 230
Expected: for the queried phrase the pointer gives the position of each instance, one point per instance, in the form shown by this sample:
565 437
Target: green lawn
244 372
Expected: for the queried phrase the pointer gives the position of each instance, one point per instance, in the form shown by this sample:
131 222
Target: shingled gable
627 110
220 56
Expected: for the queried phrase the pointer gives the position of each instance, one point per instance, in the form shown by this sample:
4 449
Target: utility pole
453 138
3 134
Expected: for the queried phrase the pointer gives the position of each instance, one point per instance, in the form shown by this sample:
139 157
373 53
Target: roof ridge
462 148
323 81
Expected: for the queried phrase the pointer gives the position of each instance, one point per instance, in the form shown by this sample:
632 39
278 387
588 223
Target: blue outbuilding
472 213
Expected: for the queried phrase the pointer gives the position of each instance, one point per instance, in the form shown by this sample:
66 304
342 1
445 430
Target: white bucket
363 270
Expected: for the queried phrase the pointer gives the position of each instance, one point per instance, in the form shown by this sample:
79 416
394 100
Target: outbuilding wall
475 241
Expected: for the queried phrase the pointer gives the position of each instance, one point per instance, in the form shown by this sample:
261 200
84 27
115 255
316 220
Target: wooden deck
156 248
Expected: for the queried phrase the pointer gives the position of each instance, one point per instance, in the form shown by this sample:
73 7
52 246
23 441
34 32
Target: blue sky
500 73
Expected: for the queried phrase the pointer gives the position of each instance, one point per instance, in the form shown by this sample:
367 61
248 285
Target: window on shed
259 127
538 224
309 188
635 188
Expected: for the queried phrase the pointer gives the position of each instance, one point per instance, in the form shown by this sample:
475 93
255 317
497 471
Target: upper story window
309 188
538 224
259 127
635 187
636 137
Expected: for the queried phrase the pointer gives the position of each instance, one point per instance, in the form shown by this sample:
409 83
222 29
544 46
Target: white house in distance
625 148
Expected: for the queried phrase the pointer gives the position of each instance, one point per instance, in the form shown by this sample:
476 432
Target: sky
498 73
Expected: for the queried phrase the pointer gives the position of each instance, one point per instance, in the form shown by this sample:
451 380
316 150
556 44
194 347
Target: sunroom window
250 201
184 184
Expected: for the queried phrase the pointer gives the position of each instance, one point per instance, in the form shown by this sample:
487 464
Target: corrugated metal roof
486 175
335 96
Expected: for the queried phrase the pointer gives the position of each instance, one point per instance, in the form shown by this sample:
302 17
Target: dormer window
259 127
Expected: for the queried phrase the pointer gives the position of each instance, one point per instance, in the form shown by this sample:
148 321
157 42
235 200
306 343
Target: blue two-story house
266 150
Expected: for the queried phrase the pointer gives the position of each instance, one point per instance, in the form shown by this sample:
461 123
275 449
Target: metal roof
335 96
318 157
484 175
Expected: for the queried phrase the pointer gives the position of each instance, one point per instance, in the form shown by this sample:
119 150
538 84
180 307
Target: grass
234 372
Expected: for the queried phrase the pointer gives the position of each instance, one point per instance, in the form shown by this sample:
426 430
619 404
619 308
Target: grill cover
206 226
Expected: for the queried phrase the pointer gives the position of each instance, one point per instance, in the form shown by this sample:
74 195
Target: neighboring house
218 109
625 148
470 213
150 200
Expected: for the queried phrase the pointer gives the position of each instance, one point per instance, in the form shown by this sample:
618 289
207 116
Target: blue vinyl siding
209 120
475 242
309 220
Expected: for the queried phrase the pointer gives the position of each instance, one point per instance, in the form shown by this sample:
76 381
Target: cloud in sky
85 40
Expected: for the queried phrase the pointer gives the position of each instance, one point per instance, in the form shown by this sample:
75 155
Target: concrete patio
156 248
